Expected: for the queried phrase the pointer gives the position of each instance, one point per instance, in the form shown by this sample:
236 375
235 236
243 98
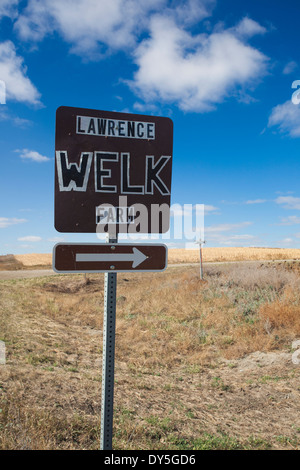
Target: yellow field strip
192 256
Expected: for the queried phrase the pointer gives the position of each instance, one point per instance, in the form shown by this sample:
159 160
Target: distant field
232 254
33 260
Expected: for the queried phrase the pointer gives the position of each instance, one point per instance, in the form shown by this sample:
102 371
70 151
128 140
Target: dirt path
22 274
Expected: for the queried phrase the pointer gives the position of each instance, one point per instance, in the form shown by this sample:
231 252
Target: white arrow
137 257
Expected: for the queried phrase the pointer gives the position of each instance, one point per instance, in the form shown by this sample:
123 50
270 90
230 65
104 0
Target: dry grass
283 315
198 364
9 262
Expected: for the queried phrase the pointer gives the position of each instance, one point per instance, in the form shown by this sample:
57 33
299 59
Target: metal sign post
110 258
200 243
108 358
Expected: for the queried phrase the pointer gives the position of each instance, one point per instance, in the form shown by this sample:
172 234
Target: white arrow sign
137 257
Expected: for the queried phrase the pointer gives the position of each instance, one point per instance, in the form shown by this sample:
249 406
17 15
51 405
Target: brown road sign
107 165
90 257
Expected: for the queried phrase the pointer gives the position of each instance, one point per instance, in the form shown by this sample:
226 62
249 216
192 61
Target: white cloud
248 27
149 108
226 227
256 201
17 121
174 66
289 202
87 25
291 220
191 11
284 192
13 73
30 238
185 210
196 72
221 234
290 67
6 222
286 117
188 210
8 8
21 122
238 239
242 237
174 245
26 154
179 211
286 241
55 239
234 240
210 209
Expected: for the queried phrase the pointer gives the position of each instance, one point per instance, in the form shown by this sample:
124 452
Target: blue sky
222 70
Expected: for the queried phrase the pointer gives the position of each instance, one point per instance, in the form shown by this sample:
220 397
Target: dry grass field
35 259
199 364
232 254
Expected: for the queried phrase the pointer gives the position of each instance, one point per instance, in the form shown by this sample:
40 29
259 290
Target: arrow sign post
109 257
